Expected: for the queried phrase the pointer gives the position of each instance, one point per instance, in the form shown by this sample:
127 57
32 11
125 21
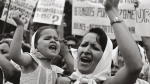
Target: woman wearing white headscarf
95 51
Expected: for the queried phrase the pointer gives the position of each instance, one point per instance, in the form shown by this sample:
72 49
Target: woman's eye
47 39
95 48
84 44
56 38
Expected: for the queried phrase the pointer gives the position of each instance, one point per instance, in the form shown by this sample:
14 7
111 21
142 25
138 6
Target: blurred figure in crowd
8 71
71 41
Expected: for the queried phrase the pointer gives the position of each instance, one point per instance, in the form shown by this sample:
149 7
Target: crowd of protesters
94 59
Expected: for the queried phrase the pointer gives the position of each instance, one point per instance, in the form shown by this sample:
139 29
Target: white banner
90 14
25 6
143 18
49 11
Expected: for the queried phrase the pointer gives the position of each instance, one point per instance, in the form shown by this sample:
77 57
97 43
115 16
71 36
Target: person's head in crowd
5 46
94 55
46 41
93 45
71 41
11 73
118 62
5 35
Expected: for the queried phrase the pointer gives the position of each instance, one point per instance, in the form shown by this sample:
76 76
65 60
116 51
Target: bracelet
116 20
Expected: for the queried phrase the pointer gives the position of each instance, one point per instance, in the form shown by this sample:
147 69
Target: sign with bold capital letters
49 11
143 18
24 6
91 14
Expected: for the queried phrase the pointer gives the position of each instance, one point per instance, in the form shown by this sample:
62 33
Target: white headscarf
32 44
102 70
33 50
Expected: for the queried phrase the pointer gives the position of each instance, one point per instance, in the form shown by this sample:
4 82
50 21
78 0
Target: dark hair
71 38
1 42
5 35
37 36
101 38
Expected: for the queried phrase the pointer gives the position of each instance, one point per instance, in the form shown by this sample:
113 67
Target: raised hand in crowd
65 53
95 50
129 50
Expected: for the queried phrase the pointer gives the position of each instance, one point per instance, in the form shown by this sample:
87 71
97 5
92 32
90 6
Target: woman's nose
87 50
52 39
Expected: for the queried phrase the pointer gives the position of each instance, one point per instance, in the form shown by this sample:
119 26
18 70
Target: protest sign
49 11
24 6
90 14
143 18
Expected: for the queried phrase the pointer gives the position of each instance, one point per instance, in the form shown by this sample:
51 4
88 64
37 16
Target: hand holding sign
17 18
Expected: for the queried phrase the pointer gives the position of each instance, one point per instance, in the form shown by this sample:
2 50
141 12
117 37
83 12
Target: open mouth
52 47
86 60
113 73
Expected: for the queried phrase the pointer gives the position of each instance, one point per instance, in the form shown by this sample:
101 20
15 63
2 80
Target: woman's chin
85 71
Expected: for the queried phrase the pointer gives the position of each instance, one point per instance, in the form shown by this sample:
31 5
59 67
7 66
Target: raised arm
11 74
67 56
16 45
129 49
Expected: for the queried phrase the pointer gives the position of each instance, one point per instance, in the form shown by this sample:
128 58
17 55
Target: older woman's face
89 54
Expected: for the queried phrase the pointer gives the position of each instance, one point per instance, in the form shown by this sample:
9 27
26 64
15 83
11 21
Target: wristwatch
116 20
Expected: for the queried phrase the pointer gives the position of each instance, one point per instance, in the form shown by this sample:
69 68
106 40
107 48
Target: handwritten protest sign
90 14
143 18
49 11
25 6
